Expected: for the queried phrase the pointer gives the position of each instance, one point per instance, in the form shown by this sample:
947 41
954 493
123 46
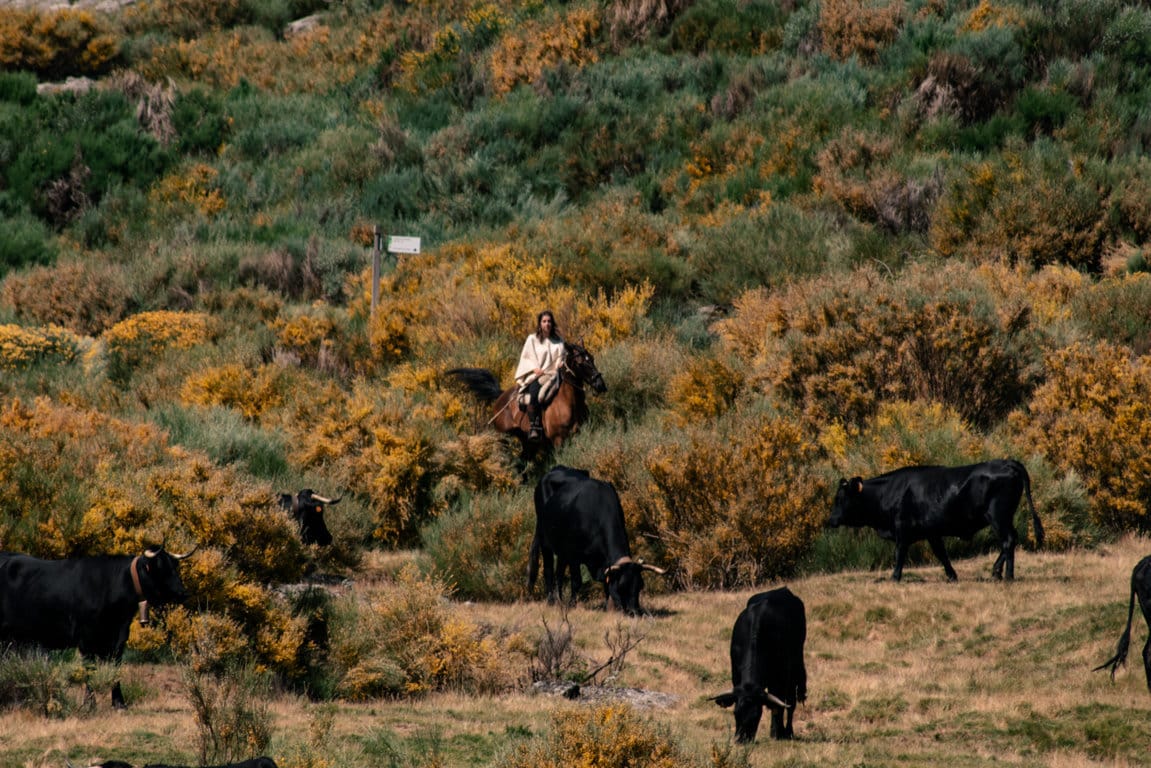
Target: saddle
547 392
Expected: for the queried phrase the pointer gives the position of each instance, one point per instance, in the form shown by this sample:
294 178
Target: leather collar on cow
139 591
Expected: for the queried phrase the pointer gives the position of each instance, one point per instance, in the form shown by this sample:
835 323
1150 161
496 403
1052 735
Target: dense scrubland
804 241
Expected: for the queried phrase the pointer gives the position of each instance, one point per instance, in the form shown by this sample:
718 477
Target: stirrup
536 432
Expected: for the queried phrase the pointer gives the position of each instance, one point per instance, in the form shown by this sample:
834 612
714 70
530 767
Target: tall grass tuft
233 720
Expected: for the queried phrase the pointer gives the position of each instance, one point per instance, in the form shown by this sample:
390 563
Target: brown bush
838 346
858 28
630 20
856 171
87 297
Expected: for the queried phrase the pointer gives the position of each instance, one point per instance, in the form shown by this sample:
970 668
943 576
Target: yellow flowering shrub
988 15
394 471
602 319
735 509
540 44
135 340
704 389
76 481
251 392
56 42
406 641
190 190
23 347
1092 415
603 736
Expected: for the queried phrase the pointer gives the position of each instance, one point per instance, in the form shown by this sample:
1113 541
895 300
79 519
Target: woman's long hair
539 326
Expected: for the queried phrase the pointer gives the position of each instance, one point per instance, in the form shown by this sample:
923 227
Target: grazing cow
917 503
255 762
1141 587
85 603
579 520
307 507
767 667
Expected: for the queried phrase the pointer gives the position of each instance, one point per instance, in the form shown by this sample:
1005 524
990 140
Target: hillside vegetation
804 241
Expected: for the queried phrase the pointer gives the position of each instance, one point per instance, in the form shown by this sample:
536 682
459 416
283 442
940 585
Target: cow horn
652 568
186 554
325 500
775 699
619 563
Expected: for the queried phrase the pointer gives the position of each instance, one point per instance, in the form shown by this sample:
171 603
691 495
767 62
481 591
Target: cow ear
724 700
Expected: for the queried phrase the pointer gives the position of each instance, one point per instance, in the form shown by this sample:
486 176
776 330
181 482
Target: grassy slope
920 673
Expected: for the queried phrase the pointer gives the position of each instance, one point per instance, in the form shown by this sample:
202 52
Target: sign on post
403 244
395 244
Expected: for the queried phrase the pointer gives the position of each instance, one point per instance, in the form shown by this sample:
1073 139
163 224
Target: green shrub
24 241
32 680
481 546
1117 310
226 438
80 146
726 25
201 124
1024 207
984 70
18 88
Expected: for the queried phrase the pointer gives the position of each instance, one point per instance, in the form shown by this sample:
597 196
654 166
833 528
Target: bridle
577 380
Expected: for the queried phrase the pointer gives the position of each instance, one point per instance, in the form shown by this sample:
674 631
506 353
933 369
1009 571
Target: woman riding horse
540 362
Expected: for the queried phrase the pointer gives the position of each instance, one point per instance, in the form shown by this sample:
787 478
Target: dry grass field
974 673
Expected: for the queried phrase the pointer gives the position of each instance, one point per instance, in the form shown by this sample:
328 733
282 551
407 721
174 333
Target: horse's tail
1120 657
480 382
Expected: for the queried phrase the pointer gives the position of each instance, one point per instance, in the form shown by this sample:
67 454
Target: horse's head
582 365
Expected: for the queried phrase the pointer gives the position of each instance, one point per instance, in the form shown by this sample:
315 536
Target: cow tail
533 562
1120 657
1035 522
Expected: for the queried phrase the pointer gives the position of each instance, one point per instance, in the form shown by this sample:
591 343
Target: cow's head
846 499
622 582
749 703
159 576
307 508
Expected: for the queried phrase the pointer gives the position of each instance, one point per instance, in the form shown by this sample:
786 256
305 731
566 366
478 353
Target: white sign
403 245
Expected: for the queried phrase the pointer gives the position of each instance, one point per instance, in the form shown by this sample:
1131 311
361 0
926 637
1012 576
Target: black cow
85 603
255 762
1141 587
767 668
579 520
917 503
307 508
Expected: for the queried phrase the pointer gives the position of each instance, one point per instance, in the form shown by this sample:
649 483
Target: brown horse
562 415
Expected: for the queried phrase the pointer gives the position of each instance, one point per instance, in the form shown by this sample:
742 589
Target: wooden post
377 248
